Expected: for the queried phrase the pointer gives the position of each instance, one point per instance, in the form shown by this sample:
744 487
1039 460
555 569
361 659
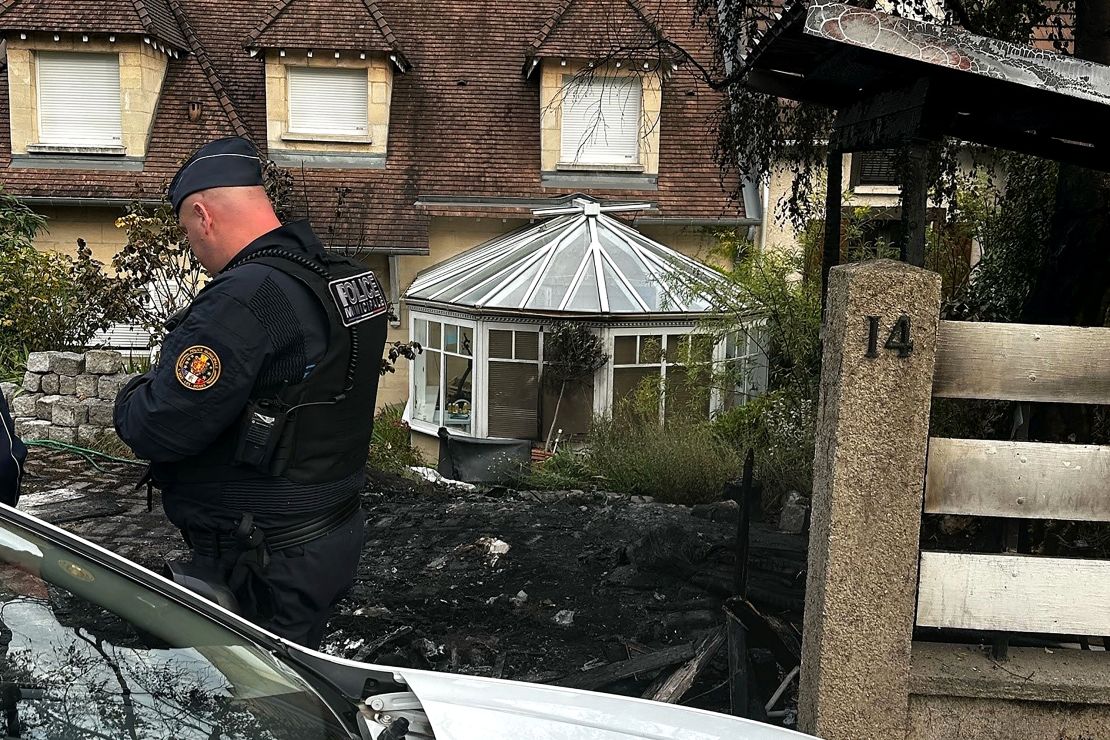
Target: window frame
116 144
302 134
486 359
605 163
477 376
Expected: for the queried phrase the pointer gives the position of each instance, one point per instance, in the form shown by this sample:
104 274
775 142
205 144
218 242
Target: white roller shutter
79 103
328 101
601 121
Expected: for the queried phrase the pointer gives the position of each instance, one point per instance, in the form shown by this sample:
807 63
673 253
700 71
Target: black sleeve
12 455
164 417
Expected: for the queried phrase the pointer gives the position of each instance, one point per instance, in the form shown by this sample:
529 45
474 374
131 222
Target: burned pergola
898 83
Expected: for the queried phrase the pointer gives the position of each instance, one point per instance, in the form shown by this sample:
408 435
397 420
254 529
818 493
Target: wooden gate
877 470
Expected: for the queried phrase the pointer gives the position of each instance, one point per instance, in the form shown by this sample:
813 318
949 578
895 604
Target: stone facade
141 71
67 396
379 75
553 85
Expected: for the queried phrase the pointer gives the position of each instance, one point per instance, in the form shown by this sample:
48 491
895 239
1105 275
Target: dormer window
601 121
79 99
328 102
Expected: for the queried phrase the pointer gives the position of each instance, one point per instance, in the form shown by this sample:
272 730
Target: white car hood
475 708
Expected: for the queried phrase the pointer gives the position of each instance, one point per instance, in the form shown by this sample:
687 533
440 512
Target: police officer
257 417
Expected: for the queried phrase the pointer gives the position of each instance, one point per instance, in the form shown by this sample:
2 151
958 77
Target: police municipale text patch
197 368
358 297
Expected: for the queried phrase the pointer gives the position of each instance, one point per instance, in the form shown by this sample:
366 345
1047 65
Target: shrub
683 462
390 447
47 300
781 427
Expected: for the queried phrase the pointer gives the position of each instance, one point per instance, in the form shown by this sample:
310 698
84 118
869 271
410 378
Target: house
413 131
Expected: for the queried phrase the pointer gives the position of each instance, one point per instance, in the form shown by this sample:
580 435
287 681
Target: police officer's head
220 201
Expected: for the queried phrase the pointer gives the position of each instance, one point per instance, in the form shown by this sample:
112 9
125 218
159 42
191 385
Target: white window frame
477 377
666 332
75 97
597 154
487 327
359 134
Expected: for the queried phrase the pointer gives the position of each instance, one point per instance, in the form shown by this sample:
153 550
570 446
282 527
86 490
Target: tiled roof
357 25
463 121
148 17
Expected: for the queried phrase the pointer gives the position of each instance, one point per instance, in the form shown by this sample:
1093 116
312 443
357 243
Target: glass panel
626 381
619 300
420 332
513 295
466 341
701 348
651 348
678 348
632 268
450 338
513 400
556 280
575 412
528 345
624 350
501 344
425 391
457 393
91 654
686 393
433 334
586 296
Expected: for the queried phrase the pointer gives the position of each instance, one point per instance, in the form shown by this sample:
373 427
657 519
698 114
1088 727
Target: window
89 653
328 101
601 121
671 369
79 100
443 375
514 383
874 168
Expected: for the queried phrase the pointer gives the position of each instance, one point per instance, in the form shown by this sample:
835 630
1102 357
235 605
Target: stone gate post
869 470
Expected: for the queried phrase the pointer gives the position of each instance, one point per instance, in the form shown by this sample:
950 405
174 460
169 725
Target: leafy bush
683 462
157 264
47 300
390 447
566 469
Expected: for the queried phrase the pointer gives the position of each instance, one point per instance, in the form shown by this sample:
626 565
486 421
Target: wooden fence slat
1022 362
1014 593
1029 480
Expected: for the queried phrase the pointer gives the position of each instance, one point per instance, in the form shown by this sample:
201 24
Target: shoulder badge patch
197 368
358 297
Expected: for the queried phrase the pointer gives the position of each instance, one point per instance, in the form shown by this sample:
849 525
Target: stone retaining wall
67 396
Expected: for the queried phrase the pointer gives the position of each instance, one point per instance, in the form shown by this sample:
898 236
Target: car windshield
86 652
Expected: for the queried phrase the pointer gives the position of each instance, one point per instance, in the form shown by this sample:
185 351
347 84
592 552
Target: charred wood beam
596 678
671 687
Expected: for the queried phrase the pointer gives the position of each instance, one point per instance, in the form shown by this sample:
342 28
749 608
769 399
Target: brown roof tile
357 25
595 28
148 17
481 138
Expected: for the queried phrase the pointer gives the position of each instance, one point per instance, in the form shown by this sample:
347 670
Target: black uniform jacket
264 329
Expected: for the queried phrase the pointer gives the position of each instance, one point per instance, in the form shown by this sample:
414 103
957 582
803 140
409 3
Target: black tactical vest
328 417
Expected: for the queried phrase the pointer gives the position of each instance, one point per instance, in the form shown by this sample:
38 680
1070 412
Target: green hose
82 451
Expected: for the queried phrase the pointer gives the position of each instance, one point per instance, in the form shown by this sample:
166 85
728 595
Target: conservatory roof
580 261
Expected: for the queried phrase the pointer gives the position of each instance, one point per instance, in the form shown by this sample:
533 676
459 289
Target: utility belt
248 537
244 589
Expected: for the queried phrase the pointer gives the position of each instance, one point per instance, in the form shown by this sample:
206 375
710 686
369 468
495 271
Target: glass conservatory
482 315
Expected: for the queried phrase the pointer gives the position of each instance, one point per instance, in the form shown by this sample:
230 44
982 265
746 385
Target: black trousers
304 582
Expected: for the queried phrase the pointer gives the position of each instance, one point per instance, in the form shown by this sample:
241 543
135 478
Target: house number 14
898 339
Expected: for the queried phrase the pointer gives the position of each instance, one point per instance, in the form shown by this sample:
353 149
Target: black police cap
224 163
